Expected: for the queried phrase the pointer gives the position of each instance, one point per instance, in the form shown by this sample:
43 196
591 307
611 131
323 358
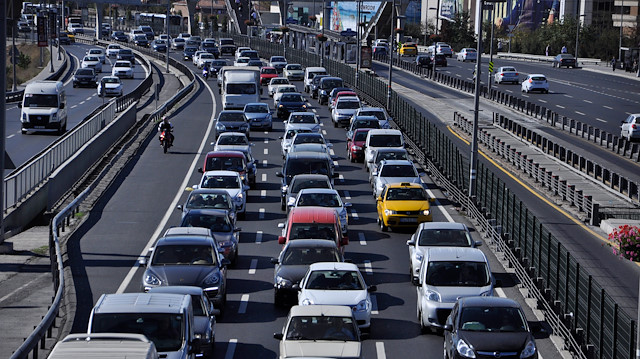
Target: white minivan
381 138
113 345
309 73
43 107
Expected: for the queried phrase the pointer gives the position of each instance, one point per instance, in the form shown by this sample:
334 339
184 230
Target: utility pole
167 25
476 108
391 48
3 80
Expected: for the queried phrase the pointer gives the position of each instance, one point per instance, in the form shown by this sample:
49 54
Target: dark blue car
188 52
119 36
159 45
290 102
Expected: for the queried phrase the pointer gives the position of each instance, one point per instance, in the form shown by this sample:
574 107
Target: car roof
231 111
210 191
141 303
221 173
398 162
404 185
333 266
208 212
187 240
536 75
316 214
309 176
320 310
307 155
442 225
312 243
225 154
319 190
384 131
488 302
460 254
365 118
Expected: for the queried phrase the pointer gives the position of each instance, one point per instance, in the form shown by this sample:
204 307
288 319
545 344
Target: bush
626 242
23 61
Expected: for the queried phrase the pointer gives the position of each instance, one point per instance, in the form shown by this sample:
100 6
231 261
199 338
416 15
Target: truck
240 88
43 107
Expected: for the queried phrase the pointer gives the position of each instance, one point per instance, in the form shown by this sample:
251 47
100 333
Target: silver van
113 345
166 319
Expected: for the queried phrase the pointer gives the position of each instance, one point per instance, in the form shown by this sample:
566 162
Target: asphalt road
80 102
141 205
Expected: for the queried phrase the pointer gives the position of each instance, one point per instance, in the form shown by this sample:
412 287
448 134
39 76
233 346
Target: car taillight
502 74
633 126
530 80
517 74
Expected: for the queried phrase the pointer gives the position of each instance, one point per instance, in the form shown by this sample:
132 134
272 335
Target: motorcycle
205 74
166 140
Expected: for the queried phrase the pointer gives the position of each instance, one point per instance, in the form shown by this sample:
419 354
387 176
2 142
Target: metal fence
576 306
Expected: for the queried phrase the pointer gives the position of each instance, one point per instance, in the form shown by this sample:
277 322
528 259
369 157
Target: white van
309 73
240 88
166 319
381 138
225 69
44 107
112 345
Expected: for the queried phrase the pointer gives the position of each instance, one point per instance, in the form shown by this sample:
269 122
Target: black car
210 47
566 60
119 36
227 46
293 262
220 224
188 52
64 39
290 102
159 45
127 54
440 59
481 327
141 40
423 60
326 85
85 77
315 85
216 65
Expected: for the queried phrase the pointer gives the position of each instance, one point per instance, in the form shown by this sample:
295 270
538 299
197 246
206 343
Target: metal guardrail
43 330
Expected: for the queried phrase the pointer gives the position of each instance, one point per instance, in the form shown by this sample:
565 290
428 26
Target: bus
158 24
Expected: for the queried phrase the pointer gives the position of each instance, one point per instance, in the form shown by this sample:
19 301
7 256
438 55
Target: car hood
122 69
294 273
385 180
452 294
295 72
345 111
320 348
183 274
495 341
233 192
334 297
407 205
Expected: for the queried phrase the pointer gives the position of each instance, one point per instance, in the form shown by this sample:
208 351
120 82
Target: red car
355 145
339 94
267 73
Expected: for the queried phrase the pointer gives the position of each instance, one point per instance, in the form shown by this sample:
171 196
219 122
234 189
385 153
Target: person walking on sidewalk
546 50
564 50
613 63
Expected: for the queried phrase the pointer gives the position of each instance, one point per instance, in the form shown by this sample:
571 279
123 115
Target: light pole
325 9
167 25
359 39
473 165
391 49
489 73
578 35
620 41
433 63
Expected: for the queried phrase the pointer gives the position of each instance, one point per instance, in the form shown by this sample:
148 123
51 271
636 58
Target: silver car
630 128
302 181
321 197
394 171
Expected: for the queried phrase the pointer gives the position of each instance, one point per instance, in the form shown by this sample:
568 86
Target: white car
113 50
467 54
304 119
394 171
535 82
322 197
289 133
178 43
275 82
436 234
338 283
630 128
231 182
506 74
110 86
99 53
195 56
279 62
239 49
282 89
122 69
344 109
205 58
92 62
293 72
75 29
242 61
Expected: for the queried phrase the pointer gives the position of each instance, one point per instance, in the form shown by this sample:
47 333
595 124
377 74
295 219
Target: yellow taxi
403 205
71 38
408 49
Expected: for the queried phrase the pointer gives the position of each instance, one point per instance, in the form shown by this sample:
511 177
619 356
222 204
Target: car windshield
319 199
231 117
348 105
457 274
290 133
313 231
321 328
95 52
306 256
84 72
285 89
270 71
291 98
294 67
183 254
398 171
206 56
334 280
256 109
390 155
90 58
179 39
279 82
36 100
209 201
219 63
385 141
225 163
221 182
492 319
164 330
243 60
299 185
111 80
306 165
366 124
406 194
445 238
233 140
226 42
125 52
309 118
241 89
310 138
329 84
278 59
122 64
216 223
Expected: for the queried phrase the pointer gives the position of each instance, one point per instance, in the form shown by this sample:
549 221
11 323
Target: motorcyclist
205 71
167 127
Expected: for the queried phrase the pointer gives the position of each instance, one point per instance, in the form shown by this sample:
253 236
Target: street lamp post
391 49
167 25
358 4
476 108
620 41
578 35
490 72
433 72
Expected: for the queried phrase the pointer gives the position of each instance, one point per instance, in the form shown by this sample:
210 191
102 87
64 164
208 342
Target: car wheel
277 298
423 329
242 215
383 228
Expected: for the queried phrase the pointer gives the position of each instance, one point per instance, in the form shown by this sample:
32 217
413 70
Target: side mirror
278 336
62 106
195 186
237 229
330 145
279 174
200 170
448 327
347 205
255 162
142 262
411 242
280 137
370 160
252 144
478 243
225 262
179 207
19 104
246 188
415 281
282 240
274 261
296 286
280 225
214 312
372 288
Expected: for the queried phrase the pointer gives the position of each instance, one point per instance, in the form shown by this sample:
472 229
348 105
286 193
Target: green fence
576 306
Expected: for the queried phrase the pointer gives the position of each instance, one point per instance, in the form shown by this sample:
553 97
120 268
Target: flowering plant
321 38
248 22
284 29
626 242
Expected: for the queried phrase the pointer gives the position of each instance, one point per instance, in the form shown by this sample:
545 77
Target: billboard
344 13
526 14
41 30
449 8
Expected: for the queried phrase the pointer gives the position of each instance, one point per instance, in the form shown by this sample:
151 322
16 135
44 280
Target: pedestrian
499 45
613 63
564 50
546 51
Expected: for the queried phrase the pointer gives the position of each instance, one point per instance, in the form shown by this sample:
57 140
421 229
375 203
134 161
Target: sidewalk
46 69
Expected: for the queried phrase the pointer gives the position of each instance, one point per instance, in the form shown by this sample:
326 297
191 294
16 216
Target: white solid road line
174 203
253 266
441 208
379 351
363 240
244 301
258 237
231 349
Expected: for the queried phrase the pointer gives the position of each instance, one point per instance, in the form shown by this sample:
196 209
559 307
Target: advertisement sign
365 57
527 14
344 13
53 34
41 30
449 8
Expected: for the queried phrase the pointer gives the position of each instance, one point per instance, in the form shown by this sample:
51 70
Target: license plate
38 127
408 220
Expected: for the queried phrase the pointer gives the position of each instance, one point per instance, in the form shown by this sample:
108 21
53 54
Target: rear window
385 141
444 238
539 78
305 165
457 274
329 84
299 185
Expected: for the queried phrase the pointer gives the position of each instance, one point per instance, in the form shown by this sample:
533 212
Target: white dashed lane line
264 177
263 193
354 214
266 140
379 351
244 301
266 151
324 132
560 106
580 113
231 349
258 237
607 107
341 177
363 240
261 213
587 101
11 135
253 266
374 305
347 195
367 267
264 163
601 120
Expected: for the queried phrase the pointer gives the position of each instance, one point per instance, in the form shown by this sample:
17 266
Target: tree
458 33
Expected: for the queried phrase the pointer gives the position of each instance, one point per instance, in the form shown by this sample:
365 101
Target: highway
141 205
80 102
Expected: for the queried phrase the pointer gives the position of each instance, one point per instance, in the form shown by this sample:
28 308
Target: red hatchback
267 73
355 144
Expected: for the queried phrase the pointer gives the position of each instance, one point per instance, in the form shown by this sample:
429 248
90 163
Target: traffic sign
490 66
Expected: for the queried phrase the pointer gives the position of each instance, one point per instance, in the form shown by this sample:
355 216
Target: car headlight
291 201
211 279
54 116
239 197
242 177
280 106
283 282
152 279
465 349
304 106
362 306
529 350
220 127
425 212
197 335
284 188
306 301
389 212
356 148
433 296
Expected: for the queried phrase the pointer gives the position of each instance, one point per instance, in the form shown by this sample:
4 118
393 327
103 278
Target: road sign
490 66
511 27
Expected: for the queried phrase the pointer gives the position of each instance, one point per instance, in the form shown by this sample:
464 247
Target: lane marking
264 163
560 106
601 120
264 177
543 101
500 293
261 215
336 164
324 132
266 133
587 101
569 96
354 214
74 106
231 348
88 98
347 195
363 240
374 305
266 140
263 193
266 151
314 110
11 135
253 266
258 237
607 107
244 301
367 267
580 113
174 202
332 153
341 177
379 350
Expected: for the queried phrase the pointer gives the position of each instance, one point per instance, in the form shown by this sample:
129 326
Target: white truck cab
43 107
